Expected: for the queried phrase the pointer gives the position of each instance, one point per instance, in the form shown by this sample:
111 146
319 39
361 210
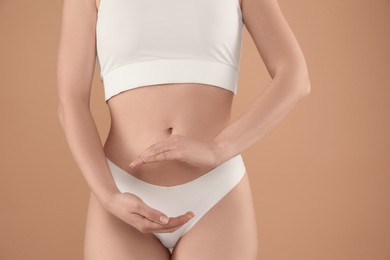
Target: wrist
222 150
106 196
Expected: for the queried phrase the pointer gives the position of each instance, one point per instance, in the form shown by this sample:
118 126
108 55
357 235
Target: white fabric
198 195
146 42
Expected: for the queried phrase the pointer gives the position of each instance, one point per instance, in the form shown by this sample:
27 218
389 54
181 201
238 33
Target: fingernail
164 219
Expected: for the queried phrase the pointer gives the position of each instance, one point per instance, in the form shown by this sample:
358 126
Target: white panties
198 195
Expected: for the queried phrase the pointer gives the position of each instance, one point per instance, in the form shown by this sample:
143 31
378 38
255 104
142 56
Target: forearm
269 108
85 145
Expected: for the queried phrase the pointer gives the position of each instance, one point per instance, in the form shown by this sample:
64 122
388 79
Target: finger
152 214
149 226
157 148
163 229
180 220
150 151
164 156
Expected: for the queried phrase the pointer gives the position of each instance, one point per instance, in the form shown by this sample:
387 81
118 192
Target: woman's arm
75 67
285 63
290 82
76 61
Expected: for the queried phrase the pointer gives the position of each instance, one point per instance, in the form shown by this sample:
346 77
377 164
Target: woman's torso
143 116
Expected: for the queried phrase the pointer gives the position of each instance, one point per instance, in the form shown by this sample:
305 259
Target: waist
144 116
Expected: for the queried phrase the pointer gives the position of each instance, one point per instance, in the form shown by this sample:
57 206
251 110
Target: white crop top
146 42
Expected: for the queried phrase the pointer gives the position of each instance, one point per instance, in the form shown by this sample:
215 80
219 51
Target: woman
170 71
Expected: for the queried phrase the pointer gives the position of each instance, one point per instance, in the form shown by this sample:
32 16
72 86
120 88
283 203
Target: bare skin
172 141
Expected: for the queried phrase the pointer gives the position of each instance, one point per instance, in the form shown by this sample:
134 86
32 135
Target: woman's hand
182 148
135 212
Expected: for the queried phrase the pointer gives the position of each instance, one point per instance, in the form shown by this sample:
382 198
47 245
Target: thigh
109 238
228 231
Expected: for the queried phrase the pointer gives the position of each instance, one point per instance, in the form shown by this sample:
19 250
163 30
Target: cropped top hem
161 71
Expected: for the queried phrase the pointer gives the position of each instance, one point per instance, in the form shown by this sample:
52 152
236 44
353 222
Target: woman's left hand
182 148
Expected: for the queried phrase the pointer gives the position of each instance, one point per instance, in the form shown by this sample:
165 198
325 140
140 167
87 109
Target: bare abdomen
143 116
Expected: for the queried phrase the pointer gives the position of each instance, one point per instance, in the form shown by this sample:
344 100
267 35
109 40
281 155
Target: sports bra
146 42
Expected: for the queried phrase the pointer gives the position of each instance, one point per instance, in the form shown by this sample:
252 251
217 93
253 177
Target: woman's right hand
135 212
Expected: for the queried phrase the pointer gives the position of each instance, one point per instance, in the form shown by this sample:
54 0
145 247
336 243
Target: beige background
320 179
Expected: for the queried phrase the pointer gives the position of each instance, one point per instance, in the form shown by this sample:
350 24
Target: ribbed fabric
148 42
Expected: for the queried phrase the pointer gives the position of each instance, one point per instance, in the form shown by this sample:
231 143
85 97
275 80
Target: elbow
68 105
296 77
60 113
305 87
301 81
61 108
